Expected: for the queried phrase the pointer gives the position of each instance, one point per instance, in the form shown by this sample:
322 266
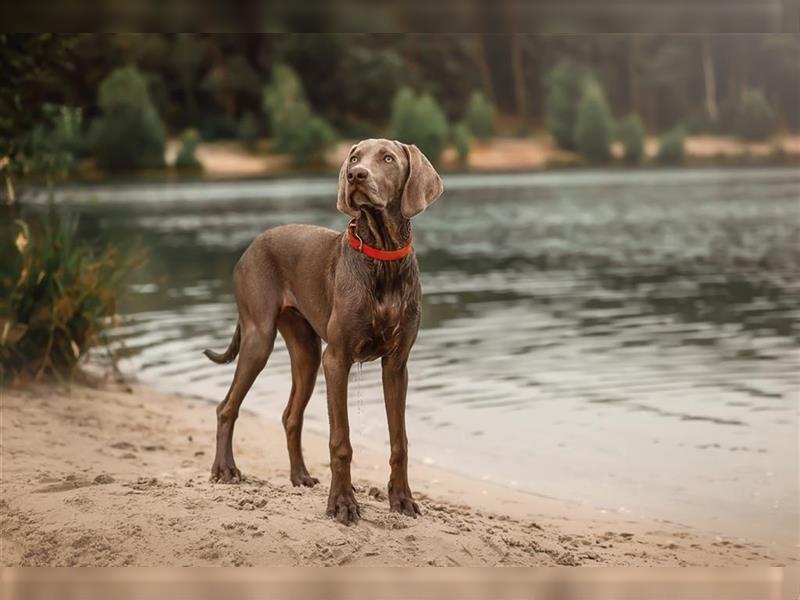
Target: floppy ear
423 185
342 200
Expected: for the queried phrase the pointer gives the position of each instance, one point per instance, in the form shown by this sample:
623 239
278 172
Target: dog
358 291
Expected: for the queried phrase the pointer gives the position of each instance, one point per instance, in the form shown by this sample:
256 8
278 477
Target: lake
628 340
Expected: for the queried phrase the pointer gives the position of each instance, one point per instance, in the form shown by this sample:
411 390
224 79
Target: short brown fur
307 283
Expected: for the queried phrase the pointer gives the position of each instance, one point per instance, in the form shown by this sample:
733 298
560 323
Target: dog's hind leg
305 351
256 346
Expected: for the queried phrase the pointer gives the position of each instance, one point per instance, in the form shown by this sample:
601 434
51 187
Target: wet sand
113 474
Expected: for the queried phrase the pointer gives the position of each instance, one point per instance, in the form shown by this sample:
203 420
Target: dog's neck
382 229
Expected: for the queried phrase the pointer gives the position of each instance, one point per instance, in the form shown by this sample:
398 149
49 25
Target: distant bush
186 158
373 77
218 126
777 152
670 147
755 118
750 116
479 116
565 87
296 130
727 116
354 127
249 131
129 134
632 135
594 124
698 122
460 135
418 119
53 148
403 111
58 294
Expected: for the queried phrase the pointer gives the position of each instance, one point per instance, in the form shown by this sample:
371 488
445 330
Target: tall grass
58 294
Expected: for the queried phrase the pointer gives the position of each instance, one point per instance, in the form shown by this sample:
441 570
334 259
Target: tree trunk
633 76
531 51
519 76
410 54
483 65
709 80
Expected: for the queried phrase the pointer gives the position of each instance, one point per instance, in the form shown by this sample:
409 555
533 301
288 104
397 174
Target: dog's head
387 175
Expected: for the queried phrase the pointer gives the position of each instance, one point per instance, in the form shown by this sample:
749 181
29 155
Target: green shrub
403 112
565 86
249 131
777 152
698 122
58 295
373 76
632 135
186 158
53 148
461 140
129 134
479 116
727 116
755 118
418 119
593 127
218 126
296 130
749 116
670 147
354 127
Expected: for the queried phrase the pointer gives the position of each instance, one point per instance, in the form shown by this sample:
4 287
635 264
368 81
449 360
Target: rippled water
625 340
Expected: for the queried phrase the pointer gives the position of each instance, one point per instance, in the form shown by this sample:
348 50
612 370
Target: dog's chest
387 314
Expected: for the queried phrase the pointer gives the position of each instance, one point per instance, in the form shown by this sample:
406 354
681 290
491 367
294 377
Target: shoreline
117 474
228 160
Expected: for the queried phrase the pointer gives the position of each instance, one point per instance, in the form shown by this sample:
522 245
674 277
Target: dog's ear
423 185
342 199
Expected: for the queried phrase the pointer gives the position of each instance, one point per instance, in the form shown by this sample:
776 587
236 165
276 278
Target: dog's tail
230 353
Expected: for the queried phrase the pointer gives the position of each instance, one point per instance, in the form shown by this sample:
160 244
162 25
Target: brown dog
314 284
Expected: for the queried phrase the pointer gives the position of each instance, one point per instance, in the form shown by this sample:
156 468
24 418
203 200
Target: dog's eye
353 159
388 158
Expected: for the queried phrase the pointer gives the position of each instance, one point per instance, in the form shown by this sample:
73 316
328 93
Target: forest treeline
305 90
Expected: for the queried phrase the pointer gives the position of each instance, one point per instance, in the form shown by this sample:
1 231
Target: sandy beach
225 159
116 474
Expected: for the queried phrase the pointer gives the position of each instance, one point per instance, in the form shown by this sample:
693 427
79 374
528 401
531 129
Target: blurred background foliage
632 135
118 97
129 131
670 146
295 128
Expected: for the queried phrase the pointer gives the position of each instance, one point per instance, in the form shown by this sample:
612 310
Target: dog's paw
344 508
225 474
404 504
303 479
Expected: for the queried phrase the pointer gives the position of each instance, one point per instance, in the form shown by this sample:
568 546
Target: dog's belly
369 349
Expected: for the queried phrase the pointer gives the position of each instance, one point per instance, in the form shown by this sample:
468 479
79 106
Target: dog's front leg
342 503
395 385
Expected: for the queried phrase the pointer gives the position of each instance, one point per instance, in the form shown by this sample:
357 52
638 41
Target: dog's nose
357 174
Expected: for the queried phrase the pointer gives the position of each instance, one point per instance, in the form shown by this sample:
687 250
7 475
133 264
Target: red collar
358 244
